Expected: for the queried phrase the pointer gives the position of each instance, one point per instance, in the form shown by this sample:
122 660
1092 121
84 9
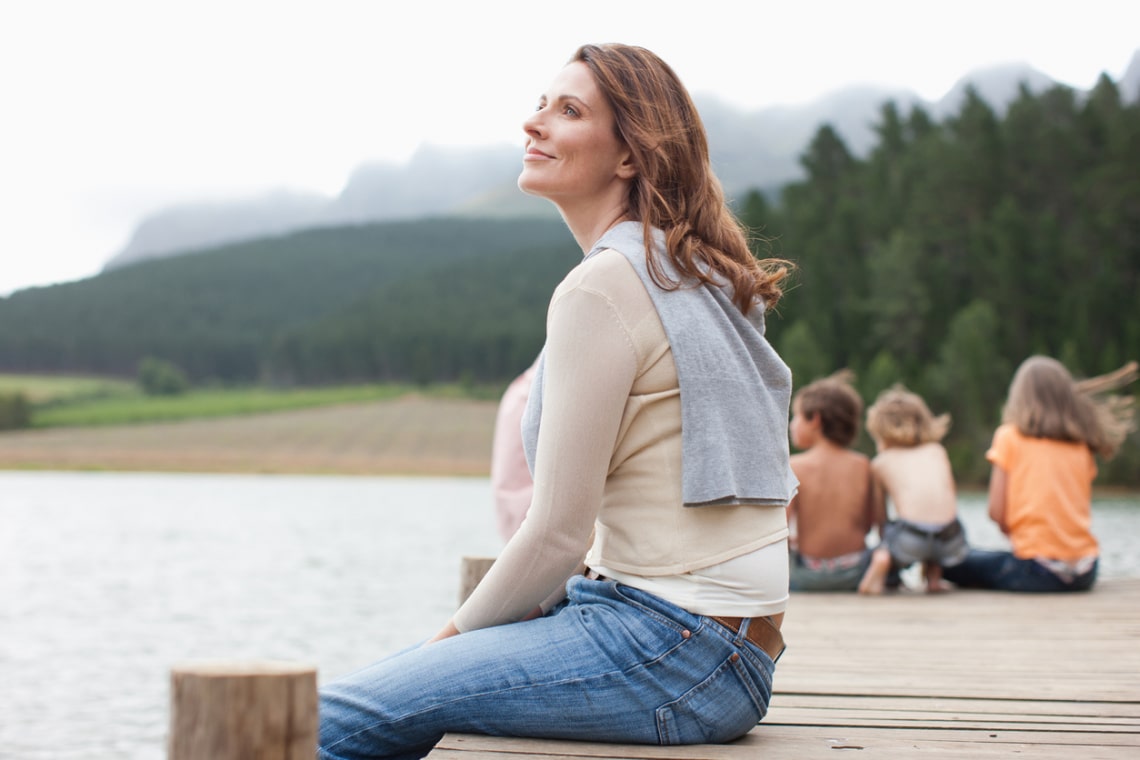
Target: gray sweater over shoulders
735 389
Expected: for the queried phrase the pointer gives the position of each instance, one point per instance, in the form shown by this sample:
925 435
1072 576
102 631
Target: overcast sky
114 109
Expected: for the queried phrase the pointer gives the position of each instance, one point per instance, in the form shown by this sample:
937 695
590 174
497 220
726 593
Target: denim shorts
909 543
611 663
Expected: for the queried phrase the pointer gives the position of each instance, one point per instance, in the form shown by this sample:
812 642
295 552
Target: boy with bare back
835 507
912 469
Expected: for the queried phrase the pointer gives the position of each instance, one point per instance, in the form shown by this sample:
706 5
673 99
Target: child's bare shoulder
830 460
857 456
890 459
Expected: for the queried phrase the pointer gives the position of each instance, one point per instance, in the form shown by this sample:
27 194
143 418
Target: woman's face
572 151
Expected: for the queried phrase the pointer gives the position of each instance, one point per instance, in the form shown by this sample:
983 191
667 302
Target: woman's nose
532 125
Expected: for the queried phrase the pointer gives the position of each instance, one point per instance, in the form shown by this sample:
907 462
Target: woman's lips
534 154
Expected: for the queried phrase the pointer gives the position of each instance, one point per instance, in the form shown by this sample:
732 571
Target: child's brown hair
1045 402
837 405
901 418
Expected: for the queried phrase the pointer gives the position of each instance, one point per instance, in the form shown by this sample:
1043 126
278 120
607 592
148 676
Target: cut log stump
243 711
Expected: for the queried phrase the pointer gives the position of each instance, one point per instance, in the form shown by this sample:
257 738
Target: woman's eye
570 111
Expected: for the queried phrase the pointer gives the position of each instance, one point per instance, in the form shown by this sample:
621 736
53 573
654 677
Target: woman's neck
587 225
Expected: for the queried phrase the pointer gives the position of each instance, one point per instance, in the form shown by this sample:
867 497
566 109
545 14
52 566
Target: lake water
107 580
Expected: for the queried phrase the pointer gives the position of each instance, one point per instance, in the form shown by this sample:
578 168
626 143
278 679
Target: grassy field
88 424
135 407
41 390
90 401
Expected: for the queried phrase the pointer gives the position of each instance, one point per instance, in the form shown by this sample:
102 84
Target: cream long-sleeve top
608 461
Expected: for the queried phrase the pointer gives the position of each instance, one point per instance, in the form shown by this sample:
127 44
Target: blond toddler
912 470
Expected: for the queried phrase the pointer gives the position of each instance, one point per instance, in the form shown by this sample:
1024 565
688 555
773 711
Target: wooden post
471 571
243 711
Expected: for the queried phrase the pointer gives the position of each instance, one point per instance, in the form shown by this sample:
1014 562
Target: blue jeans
611 664
829 577
1004 572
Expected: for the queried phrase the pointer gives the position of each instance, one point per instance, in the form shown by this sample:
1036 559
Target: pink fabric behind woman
511 484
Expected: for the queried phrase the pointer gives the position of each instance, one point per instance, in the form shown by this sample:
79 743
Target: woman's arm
793 528
590 367
998 483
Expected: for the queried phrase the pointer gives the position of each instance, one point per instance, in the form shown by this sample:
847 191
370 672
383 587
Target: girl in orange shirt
1040 491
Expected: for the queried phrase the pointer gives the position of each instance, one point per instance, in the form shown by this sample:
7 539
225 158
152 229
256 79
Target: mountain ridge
757 149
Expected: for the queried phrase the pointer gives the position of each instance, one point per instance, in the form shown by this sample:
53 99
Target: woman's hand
448 631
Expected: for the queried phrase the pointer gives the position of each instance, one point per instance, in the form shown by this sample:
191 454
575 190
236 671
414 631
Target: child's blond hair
837 405
1045 402
901 418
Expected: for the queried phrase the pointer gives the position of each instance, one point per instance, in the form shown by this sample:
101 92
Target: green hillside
217 314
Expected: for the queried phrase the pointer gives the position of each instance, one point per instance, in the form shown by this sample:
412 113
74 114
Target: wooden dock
967 674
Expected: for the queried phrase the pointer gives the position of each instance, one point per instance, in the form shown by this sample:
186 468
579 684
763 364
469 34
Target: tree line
954 250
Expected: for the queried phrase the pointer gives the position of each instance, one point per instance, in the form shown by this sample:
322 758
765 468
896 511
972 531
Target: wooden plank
839 718
1122 713
1060 646
963 674
808 742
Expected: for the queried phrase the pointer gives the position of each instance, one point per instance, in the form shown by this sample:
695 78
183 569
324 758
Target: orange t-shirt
1048 494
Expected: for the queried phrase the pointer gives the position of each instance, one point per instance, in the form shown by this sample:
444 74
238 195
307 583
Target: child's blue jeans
1002 571
611 663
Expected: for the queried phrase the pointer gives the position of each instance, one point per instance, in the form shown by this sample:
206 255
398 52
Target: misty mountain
1130 83
435 180
750 150
997 85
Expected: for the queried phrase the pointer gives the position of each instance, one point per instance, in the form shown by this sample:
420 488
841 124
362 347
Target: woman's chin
529 186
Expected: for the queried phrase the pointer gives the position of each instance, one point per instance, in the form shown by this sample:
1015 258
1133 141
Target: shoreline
406 436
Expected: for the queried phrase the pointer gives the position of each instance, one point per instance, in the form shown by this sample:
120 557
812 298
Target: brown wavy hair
675 188
837 405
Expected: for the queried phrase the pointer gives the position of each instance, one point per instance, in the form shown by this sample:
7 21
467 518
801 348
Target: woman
640 600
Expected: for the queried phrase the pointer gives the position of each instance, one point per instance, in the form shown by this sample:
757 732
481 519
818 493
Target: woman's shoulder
607 272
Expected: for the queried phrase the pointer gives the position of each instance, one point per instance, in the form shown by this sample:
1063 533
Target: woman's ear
627 169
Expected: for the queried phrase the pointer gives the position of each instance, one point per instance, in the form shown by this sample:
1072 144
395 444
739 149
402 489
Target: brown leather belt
761 631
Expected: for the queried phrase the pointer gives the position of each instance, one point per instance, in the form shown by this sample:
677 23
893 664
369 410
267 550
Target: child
834 508
913 470
511 483
1041 482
